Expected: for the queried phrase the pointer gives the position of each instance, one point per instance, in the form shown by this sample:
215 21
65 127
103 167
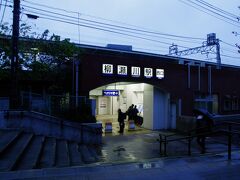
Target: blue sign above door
110 93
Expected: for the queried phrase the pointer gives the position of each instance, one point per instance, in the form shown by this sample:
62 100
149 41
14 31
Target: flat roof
169 58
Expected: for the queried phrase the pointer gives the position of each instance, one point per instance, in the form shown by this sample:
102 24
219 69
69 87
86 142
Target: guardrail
165 139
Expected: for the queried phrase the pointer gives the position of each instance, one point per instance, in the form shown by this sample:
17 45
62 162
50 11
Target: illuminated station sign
160 73
135 71
110 93
148 72
107 69
122 70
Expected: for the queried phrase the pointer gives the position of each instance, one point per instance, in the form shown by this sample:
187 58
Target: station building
163 88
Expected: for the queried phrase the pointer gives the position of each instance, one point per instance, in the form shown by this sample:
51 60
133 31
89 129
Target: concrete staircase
23 151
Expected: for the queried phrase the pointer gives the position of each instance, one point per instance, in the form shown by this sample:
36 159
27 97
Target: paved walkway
203 167
137 157
115 126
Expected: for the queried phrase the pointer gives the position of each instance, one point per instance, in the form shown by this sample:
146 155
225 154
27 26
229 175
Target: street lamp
32 16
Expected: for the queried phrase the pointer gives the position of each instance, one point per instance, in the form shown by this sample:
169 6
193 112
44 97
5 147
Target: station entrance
153 104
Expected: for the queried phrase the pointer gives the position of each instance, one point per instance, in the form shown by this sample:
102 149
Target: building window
231 103
235 103
205 101
227 105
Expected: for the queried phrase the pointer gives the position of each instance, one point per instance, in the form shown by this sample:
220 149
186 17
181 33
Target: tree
41 55
44 58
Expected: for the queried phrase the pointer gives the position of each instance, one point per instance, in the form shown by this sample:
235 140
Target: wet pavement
136 156
143 146
202 167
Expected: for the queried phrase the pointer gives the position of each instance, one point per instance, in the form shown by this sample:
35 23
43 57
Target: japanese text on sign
122 70
107 69
148 72
135 71
110 92
160 73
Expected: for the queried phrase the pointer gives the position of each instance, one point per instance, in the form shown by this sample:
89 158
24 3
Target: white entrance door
103 105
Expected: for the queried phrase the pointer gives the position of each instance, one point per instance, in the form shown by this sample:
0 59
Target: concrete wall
161 110
134 94
41 124
148 107
185 123
156 108
4 103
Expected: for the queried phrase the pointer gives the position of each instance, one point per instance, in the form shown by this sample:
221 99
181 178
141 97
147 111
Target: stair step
62 154
7 139
48 154
74 154
86 155
30 156
93 152
11 158
39 154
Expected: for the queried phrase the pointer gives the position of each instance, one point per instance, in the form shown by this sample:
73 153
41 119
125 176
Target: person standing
135 113
121 117
204 126
130 112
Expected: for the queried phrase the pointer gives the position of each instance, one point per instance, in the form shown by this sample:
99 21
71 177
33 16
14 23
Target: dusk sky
188 18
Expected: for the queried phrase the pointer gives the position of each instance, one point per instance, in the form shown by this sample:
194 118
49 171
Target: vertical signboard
135 71
107 69
148 72
122 70
160 73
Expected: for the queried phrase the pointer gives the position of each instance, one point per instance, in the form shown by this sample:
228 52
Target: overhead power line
212 11
209 12
107 27
0 4
218 9
4 9
111 28
228 43
234 57
103 29
112 25
125 27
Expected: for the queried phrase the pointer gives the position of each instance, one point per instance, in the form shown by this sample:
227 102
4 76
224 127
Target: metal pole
189 76
14 97
199 78
189 144
218 54
229 141
165 146
77 71
210 80
160 143
73 74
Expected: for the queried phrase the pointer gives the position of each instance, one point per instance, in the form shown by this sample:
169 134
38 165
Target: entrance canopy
151 102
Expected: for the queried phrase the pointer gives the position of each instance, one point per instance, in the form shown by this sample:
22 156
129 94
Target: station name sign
122 70
110 93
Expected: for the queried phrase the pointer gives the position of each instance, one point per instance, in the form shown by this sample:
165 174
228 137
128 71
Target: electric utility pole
14 96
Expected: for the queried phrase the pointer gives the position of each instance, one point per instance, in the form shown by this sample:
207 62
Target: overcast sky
175 17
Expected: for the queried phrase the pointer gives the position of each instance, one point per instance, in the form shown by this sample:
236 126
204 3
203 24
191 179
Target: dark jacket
121 116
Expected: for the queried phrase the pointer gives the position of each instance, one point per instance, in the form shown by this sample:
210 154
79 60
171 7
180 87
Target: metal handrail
228 133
